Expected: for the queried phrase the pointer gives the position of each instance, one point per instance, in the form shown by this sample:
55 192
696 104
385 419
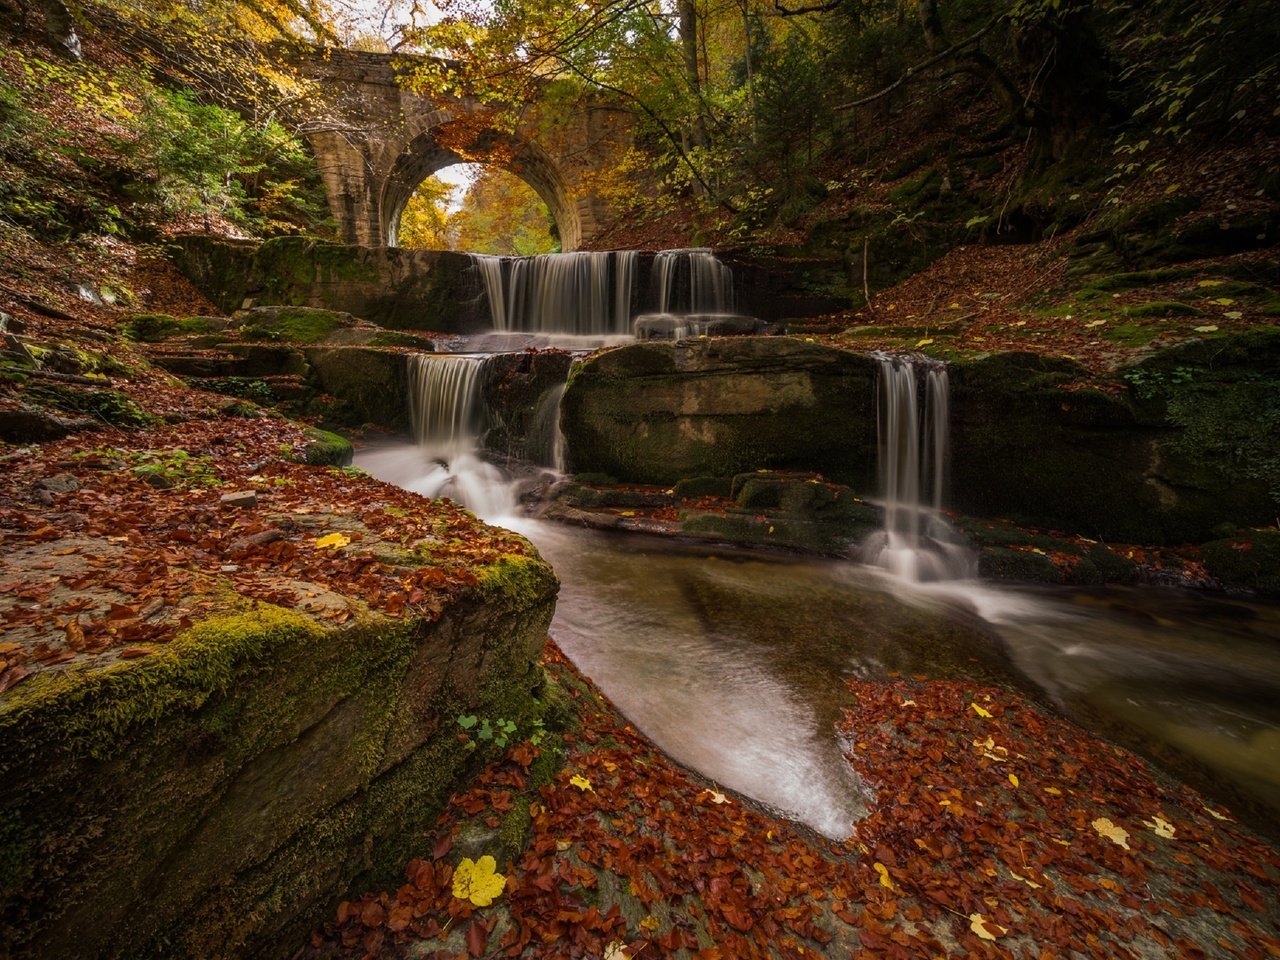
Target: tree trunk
689 47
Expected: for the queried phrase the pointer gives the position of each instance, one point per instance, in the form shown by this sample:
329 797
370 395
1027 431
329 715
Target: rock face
1181 447
369 385
216 798
398 289
662 412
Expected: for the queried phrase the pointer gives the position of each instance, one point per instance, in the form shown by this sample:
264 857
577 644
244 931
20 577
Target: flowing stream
734 662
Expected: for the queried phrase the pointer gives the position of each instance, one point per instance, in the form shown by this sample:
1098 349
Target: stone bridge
375 141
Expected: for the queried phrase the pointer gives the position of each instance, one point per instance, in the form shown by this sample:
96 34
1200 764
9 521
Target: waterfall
916 543
449 419
445 406
583 294
545 435
692 281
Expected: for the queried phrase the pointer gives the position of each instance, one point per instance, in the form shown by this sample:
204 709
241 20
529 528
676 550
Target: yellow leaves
1095 323
1021 879
1217 816
715 796
616 950
581 782
1224 301
650 923
1013 779
1053 791
907 703
881 869
332 541
992 751
478 881
1207 328
985 928
985 714
1117 835
1211 283
1161 827
923 342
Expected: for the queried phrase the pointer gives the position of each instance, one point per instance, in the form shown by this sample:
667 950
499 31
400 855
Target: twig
866 289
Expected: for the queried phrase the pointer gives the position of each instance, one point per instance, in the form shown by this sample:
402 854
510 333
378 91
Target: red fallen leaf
373 915
12 676
130 653
120 611
400 917
444 843
477 937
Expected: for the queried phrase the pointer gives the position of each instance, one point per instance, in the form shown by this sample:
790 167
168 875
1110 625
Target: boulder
218 797
662 412
368 385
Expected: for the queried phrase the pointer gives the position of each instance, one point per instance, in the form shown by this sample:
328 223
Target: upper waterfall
560 293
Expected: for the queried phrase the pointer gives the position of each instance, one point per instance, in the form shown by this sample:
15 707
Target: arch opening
477 208
425 156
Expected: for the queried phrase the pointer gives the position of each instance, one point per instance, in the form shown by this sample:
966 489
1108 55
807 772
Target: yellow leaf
616 950
955 306
1053 791
924 342
1207 328
332 540
627 513
1013 778
1161 827
1224 301
1095 323
650 923
581 782
1062 843
979 711
1030 883
716 796
907 703
1117 835
1216 815
1210 283
984 928
478 881
881 869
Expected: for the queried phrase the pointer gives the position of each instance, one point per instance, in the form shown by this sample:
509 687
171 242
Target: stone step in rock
672 326
237 360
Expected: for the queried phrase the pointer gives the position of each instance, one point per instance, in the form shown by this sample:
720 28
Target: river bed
734 661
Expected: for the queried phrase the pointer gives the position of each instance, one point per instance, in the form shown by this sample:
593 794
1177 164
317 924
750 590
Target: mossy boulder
217 797
368 385
662 412
154 327
393 288
325 449
293 324
1247 562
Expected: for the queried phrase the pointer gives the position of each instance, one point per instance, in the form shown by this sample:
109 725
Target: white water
692 281
917 543
578 294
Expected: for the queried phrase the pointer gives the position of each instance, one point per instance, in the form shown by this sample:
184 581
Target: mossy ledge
217 797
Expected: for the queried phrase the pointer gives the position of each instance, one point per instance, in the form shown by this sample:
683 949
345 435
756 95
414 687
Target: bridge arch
425 155
375 140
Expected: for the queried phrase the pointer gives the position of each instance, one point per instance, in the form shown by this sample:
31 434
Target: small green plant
500 732
173 468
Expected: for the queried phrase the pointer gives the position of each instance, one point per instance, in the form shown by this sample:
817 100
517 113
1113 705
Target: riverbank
995 829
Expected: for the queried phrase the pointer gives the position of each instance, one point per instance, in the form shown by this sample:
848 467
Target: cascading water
579 294
916 543
545 434
692 281
448 416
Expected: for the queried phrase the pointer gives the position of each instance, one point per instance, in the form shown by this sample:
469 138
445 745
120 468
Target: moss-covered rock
218 796
398 289
1249 562
325 449
367 385
292 324
661 412
154 327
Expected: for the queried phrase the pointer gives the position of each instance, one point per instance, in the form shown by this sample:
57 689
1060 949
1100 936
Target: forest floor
996 829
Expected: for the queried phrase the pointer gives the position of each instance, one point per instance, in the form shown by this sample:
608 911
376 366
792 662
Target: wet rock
668 326
27 424
240 498
59 483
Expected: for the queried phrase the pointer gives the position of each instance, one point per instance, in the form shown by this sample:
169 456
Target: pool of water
734 662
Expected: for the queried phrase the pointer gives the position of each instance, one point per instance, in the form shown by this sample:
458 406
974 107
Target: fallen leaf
881 869
650 923
332 540
1207 328
581 782
616 950
1117 835
1095 323
924 342
979 711
1030 883
1013 778
478 881
716 796
1216 815
984 928
1160 827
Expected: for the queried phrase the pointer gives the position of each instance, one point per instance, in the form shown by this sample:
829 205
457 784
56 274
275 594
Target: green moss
154 327
292 324
325 449
1250 562
1164 308
108 406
